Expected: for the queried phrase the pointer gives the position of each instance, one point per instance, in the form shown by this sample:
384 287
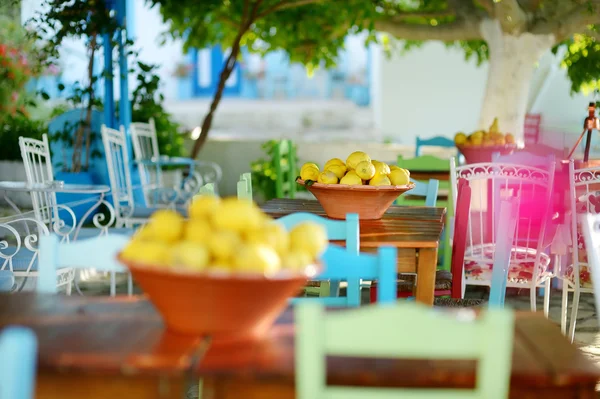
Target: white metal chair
99 253
532 189
590 226
584 200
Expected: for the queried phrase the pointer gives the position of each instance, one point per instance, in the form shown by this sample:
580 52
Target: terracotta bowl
229 308
477 154
370 202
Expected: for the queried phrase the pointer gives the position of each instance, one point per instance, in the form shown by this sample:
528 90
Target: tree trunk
511 67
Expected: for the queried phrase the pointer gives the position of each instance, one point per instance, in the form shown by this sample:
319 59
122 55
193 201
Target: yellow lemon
399 177
500 141
309 173
338 170
380 180
327 177
155 253
296 260
203 206
143 233
333 161
223 244
460 138
351 179
365 170
237 215
355 158
407 171
257 258
308 237
189 255
476 141
394 167
477 135
382 168
309 164
510 139
273 235
488 143
165 225
198 231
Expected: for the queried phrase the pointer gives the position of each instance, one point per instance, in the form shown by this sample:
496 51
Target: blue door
206 68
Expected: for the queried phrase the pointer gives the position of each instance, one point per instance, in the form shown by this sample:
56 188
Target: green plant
263 172
15 126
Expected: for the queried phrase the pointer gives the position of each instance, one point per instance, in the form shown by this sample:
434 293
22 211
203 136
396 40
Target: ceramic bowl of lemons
480 145
358 185
226 272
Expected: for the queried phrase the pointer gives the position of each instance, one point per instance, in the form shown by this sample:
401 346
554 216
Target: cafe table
100 347
414 231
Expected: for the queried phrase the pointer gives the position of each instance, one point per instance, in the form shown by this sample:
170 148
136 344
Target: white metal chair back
117 161
531 188
145 148
38 169
99 253
590 226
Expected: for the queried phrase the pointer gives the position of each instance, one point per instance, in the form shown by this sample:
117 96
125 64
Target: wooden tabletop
125 336
401 226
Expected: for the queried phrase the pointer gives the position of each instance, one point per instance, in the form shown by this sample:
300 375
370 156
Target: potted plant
185 85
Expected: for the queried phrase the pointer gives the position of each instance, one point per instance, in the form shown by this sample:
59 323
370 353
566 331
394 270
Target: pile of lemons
225 235
359 169
481 138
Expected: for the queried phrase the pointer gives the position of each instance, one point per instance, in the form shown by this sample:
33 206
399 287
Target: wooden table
415 231
98 347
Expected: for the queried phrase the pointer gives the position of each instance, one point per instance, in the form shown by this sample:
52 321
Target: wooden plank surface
281 207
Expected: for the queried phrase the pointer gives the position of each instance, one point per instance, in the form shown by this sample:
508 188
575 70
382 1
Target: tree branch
572 22
510 15
446 32
285 4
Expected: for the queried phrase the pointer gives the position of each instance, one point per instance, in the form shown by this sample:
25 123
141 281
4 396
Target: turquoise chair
244 186
504 239
98 253
341 265
428 190
18 352
438 141
347 230
403 331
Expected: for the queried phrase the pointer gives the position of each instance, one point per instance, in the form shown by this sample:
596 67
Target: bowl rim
362 187
281 275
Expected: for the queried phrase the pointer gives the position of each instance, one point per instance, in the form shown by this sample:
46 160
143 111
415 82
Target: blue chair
504 241
428 190
347 230
7 280
341 265
98 253
438 141
18 351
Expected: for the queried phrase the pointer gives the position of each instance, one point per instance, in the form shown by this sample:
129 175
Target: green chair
284 157
207 189
430 163
406 331
244 186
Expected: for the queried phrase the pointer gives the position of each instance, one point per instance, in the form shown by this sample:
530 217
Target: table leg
426 268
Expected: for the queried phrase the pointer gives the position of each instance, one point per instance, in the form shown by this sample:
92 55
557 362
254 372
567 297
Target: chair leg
547 289
533 297
574 309
564 307
69 287
129 284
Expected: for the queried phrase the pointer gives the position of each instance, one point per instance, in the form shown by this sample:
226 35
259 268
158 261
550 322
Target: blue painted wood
502 252
18 353
98 253
109 94
341 265
429 191
438 141
217 62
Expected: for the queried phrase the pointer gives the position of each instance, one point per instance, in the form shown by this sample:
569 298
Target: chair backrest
531 128
145 148
244 186
341 265
373 331
207 189
284 157
459 241
337 230
437 141
18 351
428 190
530 186
590 225
98 253
428 163
524 158
502 252
38 169
117 161
584 193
